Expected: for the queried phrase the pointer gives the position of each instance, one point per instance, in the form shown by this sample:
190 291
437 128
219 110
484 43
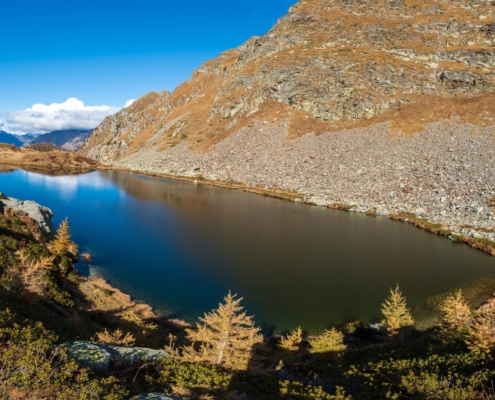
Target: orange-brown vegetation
58 160
395 311
116 338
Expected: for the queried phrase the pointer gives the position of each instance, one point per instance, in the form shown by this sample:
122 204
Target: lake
181 247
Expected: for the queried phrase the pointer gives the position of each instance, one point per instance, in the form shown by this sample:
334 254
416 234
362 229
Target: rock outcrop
99 356
384 105
42 215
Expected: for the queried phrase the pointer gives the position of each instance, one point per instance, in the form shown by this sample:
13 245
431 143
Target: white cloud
129 102
71 114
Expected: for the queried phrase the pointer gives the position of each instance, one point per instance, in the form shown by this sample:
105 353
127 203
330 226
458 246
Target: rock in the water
42 215
99 356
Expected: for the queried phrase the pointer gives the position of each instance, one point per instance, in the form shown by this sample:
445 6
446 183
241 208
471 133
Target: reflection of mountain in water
38 170
293 261
172 193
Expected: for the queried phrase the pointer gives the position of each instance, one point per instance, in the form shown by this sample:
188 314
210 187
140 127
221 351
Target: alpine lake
181 247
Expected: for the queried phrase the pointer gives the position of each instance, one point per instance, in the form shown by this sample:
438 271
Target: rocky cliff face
389 70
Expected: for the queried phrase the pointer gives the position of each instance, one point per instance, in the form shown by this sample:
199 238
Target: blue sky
106 52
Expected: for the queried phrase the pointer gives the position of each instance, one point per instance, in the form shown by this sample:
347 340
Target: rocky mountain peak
326 65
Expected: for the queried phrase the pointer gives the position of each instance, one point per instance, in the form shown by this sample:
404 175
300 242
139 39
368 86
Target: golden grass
26 157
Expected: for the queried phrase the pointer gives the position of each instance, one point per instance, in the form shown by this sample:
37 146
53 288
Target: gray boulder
99 356
42 215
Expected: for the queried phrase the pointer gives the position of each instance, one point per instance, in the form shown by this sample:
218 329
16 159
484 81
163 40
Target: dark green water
181 247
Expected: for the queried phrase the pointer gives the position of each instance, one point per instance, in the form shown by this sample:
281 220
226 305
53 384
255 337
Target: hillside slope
385 105
31 158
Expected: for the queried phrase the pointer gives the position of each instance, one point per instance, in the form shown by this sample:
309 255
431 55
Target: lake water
181 247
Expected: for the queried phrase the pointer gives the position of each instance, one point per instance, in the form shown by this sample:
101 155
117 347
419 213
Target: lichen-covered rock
134 354
89 354
42 215
99 356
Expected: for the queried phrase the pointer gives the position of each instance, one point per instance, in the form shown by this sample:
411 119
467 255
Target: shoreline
479 243
147 312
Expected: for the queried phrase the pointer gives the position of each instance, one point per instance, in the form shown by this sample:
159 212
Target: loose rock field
444 174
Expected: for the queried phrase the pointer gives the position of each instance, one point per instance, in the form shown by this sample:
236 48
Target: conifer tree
31 272
481 334
331 341
226 336
396 313
293 340
62 242
455 315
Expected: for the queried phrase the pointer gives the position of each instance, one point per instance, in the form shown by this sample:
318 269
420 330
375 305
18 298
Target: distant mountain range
69 139
27 137
10 139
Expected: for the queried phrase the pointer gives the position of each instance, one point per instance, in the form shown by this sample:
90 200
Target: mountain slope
66 137
9 138
384 104
77 142
27 137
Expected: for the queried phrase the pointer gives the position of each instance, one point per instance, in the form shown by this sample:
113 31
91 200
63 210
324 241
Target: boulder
89 354
42 215
99 356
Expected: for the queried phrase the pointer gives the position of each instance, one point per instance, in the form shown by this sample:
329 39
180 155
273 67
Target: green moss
175 372
486 242
56 293
36 250
66 266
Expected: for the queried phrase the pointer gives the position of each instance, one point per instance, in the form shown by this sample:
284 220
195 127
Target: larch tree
331 341
293 340
481 334
225 336
31 272
455 316
62 242
395 310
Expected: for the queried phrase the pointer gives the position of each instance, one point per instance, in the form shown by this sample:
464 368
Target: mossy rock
99 356
89 354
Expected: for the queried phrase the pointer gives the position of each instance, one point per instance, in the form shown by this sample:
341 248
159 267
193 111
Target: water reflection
181 247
